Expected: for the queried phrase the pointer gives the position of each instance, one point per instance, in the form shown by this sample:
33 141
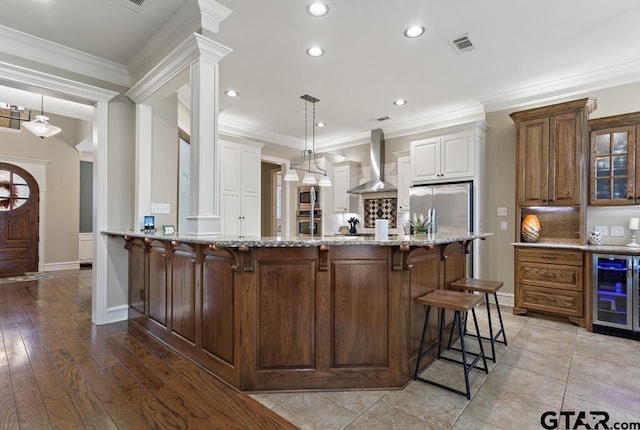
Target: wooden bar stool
487 287
458 302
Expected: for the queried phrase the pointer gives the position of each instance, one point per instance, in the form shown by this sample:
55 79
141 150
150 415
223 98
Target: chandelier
40 126
309 163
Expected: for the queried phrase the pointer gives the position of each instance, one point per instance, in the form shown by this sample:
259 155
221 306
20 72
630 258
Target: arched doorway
19 209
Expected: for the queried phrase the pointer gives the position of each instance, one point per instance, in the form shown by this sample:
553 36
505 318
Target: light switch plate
617 230
502 211
503 225
603 229
160 208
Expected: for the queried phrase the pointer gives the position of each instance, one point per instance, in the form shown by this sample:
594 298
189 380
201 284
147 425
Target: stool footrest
437 384
471 365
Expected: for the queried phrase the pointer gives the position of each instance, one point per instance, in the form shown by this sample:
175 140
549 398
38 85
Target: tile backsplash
380 208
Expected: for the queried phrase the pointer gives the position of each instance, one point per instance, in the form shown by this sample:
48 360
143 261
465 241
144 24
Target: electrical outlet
617 230
503 225
603 229
502 211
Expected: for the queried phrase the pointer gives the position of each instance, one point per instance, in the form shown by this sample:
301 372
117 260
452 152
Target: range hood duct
377 183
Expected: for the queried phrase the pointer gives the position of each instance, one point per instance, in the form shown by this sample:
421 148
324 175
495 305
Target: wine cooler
616 296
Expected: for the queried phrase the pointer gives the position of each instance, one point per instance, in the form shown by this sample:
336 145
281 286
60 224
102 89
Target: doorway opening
271 201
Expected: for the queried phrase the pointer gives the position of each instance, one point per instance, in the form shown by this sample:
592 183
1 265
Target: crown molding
22 77
194 47
212 14
28 47
466 115
472 114
239 130
192 17
563 88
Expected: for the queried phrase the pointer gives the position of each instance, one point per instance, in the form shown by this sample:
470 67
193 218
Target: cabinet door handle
630 197
549 257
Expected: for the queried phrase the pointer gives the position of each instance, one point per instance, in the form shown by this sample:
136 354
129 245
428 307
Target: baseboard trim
117 313
506 299
69 265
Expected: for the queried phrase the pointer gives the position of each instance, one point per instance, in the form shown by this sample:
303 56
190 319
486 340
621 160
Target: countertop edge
616 249
281 242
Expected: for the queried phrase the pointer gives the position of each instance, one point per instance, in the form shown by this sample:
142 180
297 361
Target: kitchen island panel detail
360 313
158 283
184 307
286 310
267 318
137 274
218 310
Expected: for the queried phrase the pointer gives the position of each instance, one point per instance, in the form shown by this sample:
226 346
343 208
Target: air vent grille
131 4
462 44
382 118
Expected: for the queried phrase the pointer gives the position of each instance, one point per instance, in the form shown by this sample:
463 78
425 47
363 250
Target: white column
99 291
204 205
144 134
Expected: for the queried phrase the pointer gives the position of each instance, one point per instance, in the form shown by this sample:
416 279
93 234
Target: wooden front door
19 207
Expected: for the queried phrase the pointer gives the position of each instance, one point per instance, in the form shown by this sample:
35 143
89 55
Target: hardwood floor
58 370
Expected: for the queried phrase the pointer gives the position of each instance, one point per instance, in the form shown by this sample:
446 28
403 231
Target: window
14 190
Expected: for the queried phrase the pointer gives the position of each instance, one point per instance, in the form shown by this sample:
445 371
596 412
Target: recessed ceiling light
320 124
317 9
414 31
400 102
315 51
232 93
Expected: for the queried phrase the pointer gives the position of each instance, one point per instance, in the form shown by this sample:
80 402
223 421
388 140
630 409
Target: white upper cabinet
443 158
240 186
404 182
345 177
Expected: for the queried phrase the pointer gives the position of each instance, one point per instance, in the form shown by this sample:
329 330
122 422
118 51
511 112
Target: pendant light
308 163
40 126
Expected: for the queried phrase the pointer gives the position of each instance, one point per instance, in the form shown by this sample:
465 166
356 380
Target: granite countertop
617 249
267 241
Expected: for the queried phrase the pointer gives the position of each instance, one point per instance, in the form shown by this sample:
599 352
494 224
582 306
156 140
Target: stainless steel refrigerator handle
630 267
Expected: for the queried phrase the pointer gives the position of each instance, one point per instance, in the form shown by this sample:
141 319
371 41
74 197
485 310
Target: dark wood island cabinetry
273 315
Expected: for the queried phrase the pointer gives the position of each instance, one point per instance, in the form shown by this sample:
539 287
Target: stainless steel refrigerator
453 204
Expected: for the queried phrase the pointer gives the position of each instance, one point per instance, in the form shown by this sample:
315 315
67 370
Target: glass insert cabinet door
614 278
613 166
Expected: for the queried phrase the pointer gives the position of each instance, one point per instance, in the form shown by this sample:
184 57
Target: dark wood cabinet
613 178
291 318
550 281
552 153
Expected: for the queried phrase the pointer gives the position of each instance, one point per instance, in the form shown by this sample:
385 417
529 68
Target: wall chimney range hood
377 183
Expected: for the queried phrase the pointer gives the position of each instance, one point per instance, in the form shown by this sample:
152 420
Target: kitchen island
270 314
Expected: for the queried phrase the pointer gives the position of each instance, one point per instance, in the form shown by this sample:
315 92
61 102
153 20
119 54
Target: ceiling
524 51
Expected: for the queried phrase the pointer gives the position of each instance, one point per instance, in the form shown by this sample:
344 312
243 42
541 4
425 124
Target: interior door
19 206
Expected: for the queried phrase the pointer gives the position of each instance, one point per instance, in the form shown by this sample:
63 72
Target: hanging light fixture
40 126
308 163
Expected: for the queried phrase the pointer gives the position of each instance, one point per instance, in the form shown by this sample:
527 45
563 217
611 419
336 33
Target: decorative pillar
204 204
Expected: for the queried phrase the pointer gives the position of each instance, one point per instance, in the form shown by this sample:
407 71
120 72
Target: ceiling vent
131 4
382 118
462 44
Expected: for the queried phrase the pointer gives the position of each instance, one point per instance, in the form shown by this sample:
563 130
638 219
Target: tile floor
547 366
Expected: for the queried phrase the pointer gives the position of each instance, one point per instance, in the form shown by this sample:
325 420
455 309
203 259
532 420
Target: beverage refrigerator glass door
615 291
